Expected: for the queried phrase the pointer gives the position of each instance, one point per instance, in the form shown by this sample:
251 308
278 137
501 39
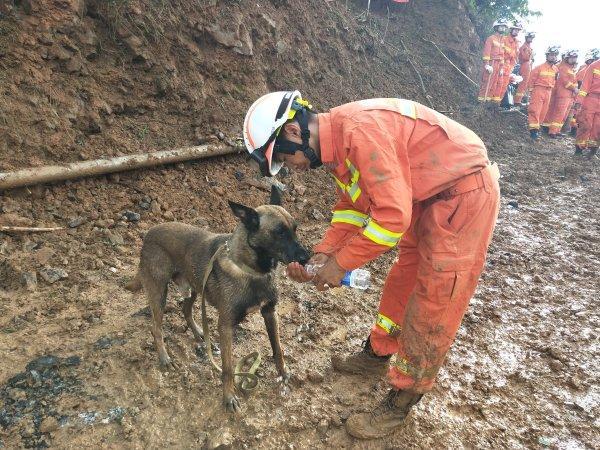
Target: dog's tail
135 284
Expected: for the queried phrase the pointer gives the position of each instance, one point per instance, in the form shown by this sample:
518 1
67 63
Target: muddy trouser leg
453 236
398 287
595 135
535 108
585 123
556 116
522 88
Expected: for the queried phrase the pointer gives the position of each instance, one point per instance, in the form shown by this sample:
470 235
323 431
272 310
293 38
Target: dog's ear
247 215
275 196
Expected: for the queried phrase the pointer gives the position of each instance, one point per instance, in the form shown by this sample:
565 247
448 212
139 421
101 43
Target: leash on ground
246 381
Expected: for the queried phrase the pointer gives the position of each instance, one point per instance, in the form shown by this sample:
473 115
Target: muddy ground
522 373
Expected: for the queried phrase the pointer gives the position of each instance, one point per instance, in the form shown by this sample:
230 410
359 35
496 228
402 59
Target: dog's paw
167 363
232 403
283 383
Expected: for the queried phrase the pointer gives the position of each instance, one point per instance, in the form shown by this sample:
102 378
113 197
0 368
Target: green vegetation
490 10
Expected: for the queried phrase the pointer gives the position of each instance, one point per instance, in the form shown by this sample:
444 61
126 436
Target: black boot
578 150
365 362
386 418
535 134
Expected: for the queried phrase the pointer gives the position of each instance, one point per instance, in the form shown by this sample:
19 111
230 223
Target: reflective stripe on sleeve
350 216
582 93
380 235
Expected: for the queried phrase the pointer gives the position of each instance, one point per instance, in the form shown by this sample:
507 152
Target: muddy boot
365 362
578 150
385 418
593 152
535 134
573 131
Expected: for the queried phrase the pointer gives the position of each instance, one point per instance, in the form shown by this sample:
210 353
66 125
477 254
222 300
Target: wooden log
46 174
10 229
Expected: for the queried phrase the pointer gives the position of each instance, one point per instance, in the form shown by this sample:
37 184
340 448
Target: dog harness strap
247 380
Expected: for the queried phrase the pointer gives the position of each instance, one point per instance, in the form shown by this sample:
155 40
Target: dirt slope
83 79
524 369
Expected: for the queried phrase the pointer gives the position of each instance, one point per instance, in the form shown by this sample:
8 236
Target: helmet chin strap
285 146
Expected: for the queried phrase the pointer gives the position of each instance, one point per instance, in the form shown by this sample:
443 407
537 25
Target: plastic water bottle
357 278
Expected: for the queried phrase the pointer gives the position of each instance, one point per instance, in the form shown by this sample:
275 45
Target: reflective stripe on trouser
429 287
588 122
538 106
557 113
488 82
522 87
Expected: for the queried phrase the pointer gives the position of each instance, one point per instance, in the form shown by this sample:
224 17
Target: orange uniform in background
493 55
525 56
541 80
511 46
580 74
411 177
588 118
563 96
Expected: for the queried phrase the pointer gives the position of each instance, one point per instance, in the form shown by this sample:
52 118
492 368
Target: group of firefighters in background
560 97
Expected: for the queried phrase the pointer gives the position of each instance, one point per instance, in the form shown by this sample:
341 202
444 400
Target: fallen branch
9 229
429 102
448 59
45 174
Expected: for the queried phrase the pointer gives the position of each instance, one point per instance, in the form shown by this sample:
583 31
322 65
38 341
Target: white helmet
570 54
264 121
500 23
530 34
516 25
593 54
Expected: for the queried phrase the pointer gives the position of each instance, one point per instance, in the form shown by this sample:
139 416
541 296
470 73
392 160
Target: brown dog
242 277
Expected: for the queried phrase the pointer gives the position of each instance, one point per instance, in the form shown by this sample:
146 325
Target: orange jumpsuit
525 55
580 75
511 46
493 55
563 95
588 118
541 80
410 177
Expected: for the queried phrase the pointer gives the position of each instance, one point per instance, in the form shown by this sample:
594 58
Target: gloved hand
515 78
489 68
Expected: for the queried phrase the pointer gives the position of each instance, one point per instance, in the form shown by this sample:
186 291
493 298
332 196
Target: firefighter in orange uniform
407 177
511 48
588 117
563 94
525 62
541 82
590 57
493 60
